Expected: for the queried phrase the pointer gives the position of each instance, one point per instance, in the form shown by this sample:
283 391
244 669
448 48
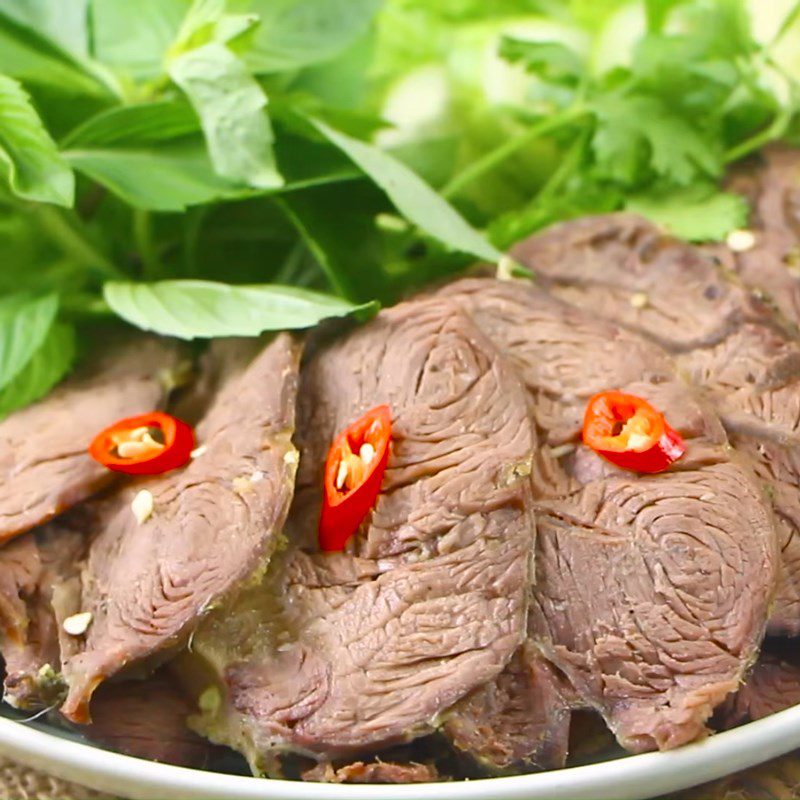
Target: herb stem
788 21
773 131
508 148
56 226
143 236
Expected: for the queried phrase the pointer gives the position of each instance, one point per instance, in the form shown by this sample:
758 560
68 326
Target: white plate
630 778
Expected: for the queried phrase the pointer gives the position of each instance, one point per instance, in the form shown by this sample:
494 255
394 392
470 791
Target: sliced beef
147 719
771 183
338 653
726 339
373 772
30 568
651 591
213 527
772 685
44 464
520 721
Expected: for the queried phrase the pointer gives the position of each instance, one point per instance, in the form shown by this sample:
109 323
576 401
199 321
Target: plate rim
617 779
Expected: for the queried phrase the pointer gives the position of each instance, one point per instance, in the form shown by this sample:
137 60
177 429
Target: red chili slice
148 444
354 471
627 431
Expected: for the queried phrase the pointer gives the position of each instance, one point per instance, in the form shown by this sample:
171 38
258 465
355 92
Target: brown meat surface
338 653
727 340
30 568
651 591
213 528
44 464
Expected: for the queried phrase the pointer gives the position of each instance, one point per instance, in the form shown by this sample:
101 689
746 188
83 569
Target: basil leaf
29 56
296 33
192 309
24 324
231 107
63 22
153 156
412 197
28 156
133 36
49 364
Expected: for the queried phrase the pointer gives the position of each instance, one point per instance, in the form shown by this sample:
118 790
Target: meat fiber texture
45 467
652 591
30 568
214 524
341 653
725 336
772 686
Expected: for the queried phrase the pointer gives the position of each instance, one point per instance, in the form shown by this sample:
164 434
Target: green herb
192 309
211 168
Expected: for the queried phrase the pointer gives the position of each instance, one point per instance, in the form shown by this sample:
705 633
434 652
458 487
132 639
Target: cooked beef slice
44 464
338 653
373 772
622 267
771 686
520 721
771 182
725 338
651 591
213 528
147 719
30 567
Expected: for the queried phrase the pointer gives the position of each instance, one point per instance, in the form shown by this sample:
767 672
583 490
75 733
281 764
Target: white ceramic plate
630 778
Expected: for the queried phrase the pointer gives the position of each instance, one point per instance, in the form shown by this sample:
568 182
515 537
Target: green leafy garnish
207 168
193 309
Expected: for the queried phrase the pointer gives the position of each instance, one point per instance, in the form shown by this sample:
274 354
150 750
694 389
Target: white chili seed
740 241
198 451
636 441
257 476
142 506
341 475
639 300
133 449
77 624
367 452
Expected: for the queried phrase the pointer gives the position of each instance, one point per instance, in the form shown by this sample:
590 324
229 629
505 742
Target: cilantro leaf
637 134
699 214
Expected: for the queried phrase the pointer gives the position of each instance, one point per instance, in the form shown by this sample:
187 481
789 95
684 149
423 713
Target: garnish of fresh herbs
228 167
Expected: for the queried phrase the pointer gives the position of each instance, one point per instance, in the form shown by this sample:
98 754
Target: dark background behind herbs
218 167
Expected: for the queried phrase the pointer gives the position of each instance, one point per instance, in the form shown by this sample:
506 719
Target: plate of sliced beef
514 537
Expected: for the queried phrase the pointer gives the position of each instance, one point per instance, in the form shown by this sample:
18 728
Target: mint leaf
296 33
232 110
192 309
24 324
699 214
412 197
28 156
48 365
